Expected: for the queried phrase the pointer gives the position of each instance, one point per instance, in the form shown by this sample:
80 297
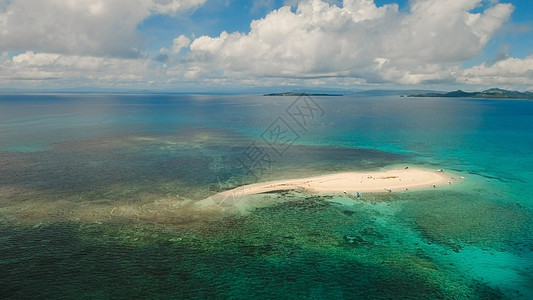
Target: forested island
490 93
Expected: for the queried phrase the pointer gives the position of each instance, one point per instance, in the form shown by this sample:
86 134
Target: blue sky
223 44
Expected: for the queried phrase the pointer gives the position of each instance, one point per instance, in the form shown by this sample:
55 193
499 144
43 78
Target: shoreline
344 183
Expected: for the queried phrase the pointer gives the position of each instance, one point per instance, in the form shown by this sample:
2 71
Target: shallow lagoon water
98 189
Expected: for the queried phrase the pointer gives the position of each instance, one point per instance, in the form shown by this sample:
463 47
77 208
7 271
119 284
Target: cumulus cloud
80 27
505 71
179 43
313 42
357 40
96 70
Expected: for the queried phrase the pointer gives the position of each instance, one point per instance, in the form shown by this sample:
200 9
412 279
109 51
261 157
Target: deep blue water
91 187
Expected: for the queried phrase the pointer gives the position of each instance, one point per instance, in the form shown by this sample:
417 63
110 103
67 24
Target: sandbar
349 183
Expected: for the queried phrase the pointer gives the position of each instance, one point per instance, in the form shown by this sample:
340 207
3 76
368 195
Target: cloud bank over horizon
95 42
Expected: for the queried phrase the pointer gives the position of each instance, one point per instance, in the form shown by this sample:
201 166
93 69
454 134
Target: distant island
301 94
494 93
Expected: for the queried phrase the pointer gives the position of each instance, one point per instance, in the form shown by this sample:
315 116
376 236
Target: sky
205 45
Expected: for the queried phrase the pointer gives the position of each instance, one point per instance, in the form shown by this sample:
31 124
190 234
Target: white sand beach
351 183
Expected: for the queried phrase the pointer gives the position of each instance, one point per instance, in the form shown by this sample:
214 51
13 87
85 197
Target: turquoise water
96 193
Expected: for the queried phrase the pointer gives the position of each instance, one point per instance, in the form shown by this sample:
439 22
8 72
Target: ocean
97 197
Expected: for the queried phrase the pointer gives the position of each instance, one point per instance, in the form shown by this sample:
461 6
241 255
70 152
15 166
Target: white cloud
96 42
173 6
80 27
358 40
179 43
506 71
96 70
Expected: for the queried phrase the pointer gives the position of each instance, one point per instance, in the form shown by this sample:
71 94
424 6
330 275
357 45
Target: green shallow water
96 193
308 247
